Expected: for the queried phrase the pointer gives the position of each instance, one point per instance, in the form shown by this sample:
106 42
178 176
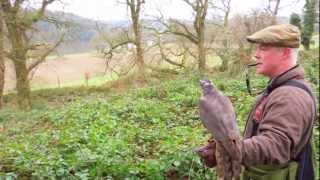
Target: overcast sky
110 10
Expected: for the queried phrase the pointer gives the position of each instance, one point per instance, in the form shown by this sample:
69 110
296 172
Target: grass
95 81
71 56
146 133
315 39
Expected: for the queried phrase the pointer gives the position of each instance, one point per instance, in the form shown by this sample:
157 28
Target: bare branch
188 35
185 28
46 53
163 55
109 53
39 14
192 5
195 41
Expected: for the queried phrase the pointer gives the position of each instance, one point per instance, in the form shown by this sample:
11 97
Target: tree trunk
19 60
275 12
306 43
224 55
201 46
225 62
135 7
2 66
2 70
202 56
140 58
23 86
19 21
137 34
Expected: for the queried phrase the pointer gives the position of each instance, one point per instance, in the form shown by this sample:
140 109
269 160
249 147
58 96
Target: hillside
80 30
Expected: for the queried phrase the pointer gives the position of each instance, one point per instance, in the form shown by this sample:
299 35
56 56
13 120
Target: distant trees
178 42
309 18
20 23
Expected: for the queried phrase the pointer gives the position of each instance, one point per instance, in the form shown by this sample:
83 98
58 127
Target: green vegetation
141 133
295 20
309 18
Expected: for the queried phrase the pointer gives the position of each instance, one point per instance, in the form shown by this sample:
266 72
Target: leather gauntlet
207 154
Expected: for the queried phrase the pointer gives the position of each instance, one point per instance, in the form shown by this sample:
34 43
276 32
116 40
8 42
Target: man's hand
207 153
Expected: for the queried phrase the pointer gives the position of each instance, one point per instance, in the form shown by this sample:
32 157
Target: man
276 142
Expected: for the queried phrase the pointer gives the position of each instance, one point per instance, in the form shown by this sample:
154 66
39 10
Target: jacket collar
295 72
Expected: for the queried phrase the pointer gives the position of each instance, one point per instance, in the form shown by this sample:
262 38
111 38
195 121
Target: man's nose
256 55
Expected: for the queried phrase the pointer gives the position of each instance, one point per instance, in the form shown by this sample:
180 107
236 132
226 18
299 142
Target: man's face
269 58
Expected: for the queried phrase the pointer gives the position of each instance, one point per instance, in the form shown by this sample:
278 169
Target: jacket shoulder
292 93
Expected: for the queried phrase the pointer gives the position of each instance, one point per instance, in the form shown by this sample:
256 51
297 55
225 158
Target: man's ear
286 53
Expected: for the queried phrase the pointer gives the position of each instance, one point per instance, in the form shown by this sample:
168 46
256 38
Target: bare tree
135 11
19 21
224 51
125 37
273 9
241 26
196 33
166 53
114 42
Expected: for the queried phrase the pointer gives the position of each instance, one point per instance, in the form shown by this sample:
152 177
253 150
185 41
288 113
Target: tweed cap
284 35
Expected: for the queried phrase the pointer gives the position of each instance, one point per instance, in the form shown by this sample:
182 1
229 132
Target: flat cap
283 35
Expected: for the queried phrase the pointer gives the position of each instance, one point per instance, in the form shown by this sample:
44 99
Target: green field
95 81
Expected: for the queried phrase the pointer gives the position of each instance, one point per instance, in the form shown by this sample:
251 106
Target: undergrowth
149 132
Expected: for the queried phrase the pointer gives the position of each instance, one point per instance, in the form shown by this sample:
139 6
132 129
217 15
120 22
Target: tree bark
202 52
275 12
18 26
225 52
2 65
135 8
139 49
201 12
2 71
19 60
18 54
23 86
